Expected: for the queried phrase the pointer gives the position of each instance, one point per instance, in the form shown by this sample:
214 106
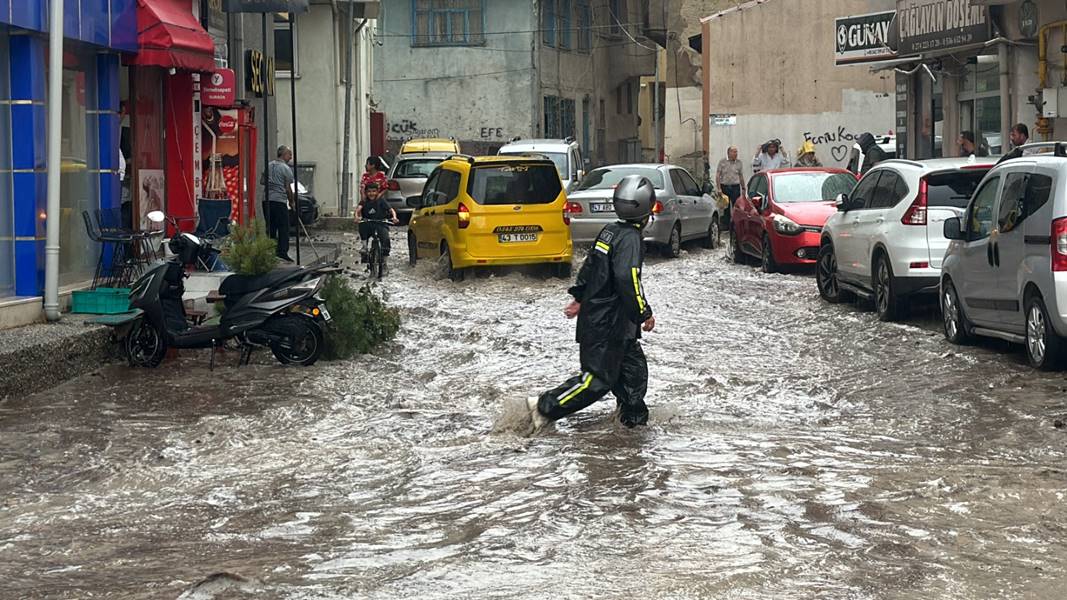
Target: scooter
280 310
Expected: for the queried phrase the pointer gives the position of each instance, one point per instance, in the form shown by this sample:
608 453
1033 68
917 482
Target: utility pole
292 103
346 184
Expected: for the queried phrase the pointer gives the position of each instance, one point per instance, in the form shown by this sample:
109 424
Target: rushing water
796 450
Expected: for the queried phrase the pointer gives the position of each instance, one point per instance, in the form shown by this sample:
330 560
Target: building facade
321 81
486 72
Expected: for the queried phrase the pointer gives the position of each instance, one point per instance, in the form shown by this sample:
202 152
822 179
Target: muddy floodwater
796 450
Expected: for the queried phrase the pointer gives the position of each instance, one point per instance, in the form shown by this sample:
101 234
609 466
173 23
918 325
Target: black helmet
634 198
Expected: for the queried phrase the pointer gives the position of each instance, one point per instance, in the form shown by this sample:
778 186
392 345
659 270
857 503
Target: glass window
415 169
757 186
887 192
448 186
7 206
548 22
448 22
618 15
1038 191
954 188
552 117
585 26
863 194
1012 210
609 177
676 182
811 187
78 184
284 49
514 184
691 187
430 187
564 23
980 219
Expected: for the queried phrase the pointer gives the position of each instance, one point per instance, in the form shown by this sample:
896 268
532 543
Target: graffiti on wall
407 129
839 141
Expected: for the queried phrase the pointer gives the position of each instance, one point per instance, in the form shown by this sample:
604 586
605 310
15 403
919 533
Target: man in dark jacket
872 153
610 304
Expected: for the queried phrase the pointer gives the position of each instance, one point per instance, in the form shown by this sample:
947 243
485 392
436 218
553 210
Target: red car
779 219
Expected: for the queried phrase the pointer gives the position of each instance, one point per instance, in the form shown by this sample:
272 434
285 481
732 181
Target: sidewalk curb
51 354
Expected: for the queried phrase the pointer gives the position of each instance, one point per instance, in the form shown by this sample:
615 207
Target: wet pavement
796 450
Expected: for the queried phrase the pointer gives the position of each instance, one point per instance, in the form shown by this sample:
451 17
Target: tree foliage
249 250
361 320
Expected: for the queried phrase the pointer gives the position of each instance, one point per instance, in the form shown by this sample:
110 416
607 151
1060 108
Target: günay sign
863 38
926 25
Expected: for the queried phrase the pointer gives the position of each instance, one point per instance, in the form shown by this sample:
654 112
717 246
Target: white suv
886 241
565 153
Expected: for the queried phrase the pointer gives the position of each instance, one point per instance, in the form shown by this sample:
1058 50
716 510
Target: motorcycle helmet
634 198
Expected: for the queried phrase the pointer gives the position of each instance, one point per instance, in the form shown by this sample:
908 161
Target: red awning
168 35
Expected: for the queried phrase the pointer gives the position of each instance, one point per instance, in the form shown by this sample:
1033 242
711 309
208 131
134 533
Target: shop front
96 32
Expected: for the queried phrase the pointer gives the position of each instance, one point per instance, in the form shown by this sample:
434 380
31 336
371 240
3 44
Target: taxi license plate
602 208
512 238
325 313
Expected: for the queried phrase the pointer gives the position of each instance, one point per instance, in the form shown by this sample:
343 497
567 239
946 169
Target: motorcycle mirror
156 216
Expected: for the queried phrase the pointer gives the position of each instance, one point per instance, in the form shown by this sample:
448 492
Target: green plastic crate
101 301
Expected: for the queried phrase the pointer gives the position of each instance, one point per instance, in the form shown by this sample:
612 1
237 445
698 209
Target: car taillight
1059 244
570 208
464 216
393 185
657 208
916 213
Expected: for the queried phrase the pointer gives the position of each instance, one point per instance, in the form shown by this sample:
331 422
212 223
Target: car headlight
786 226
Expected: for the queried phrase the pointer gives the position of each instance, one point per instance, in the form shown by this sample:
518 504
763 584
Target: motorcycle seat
239 285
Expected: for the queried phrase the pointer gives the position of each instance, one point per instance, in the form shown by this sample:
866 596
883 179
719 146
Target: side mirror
757 201
414 202
156 216
580 176
953 229
841 202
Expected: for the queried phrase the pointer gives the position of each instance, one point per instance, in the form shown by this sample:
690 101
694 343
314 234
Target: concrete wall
794 91
320 93
481 95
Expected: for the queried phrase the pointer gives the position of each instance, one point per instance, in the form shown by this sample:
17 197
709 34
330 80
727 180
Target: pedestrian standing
1019 137
280 194
375 173
610 304
769 156
730 179
872 152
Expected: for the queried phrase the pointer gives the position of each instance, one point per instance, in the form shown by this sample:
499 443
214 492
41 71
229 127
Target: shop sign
216 17
260 70
863 38
930 25
220 89
266 6
722 120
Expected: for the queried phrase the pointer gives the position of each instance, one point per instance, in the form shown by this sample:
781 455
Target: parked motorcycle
279 310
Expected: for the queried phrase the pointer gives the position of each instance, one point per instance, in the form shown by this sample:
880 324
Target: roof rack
464 157
1059 149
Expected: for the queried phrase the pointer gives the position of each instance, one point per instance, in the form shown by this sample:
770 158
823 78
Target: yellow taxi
492 211
426 145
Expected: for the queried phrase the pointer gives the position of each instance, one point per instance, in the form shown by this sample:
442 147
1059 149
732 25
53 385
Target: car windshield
953 188
493 185
608 178
811 187
414 169
559 158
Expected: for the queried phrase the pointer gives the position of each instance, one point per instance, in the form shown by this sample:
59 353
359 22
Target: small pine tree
361 321
249 251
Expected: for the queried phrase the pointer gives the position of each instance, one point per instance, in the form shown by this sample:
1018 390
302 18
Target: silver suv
1005 271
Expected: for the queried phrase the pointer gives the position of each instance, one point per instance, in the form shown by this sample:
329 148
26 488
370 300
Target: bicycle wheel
374 261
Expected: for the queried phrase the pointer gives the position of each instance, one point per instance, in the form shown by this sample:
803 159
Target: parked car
886 242
1005 272
424 145
682 211
565 153
780 218
407 178
308 209
856 157
492 211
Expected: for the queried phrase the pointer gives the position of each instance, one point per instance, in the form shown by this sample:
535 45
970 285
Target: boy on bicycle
373 211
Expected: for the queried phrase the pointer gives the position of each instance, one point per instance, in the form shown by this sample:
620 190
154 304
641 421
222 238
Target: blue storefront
96 31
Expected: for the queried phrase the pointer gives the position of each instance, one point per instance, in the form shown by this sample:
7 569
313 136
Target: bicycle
374 255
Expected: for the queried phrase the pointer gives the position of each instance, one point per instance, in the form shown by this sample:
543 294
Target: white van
566 153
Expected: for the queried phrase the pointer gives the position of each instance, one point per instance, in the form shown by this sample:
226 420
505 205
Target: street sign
932 25
220 88
863 38
723 120
266 6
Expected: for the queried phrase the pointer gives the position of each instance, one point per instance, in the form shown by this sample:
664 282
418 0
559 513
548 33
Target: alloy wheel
951 312
826 276
882 288
1035 334
767 256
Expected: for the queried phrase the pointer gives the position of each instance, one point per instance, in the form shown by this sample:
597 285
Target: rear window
414 169
954 188
608 178
493 185
811 187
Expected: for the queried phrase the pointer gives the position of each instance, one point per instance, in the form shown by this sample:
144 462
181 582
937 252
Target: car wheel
714 234
957 329
563 270
767 263
886 301
673 249
413 249
1043 345
733 250
450 270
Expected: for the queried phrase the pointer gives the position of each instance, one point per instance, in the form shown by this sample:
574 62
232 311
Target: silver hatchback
682 213
408 176
1005 271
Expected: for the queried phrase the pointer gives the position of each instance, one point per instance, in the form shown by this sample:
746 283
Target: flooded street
796 450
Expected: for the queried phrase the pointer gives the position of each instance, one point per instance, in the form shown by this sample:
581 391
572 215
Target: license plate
325 313
602 208
511 238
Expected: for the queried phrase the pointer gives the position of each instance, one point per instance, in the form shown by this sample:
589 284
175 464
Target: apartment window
548 22
566 118
618 15
585 26
448 22
285 61
552 118
564 23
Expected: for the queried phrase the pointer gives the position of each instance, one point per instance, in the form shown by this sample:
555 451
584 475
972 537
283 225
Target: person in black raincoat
610 304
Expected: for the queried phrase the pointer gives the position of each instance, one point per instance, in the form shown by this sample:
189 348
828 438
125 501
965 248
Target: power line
467 76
